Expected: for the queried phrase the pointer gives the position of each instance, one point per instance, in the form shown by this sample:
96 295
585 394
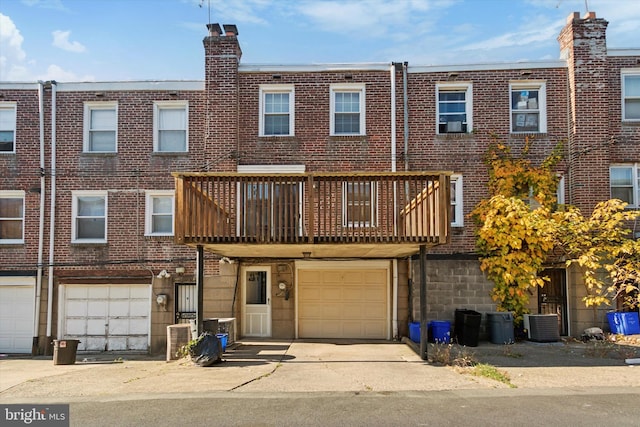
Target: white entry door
17 302
257 301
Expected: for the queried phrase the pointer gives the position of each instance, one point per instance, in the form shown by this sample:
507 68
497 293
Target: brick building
297 197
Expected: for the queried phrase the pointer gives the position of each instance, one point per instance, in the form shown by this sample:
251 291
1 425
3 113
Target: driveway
303 366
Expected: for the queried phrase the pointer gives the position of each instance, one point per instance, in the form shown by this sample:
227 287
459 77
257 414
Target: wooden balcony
313 215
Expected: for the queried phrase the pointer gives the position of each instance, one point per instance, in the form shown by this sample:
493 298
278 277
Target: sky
120 40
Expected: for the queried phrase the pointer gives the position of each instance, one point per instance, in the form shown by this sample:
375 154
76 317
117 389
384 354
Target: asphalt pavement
325 366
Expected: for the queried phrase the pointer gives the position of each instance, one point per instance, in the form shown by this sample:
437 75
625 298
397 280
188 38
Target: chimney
214 30
230 30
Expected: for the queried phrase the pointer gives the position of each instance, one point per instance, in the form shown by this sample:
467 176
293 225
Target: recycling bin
64 352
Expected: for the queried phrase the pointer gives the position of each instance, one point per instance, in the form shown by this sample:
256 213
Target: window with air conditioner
455 108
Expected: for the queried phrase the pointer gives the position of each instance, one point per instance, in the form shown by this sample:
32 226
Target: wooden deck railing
312 208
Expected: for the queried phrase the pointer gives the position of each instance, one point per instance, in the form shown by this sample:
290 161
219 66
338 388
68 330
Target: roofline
559 63
142 85
624 52
293 68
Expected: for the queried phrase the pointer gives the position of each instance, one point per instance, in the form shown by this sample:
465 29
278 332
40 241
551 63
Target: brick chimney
583 43
222 58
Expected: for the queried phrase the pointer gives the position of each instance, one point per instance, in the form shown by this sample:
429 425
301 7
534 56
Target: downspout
405 110
394 264
36 320
52 213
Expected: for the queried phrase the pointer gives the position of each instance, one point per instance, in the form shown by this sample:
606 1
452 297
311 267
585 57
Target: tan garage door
342 303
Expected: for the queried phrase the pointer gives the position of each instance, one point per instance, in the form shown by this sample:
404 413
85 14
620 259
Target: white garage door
343 303
16 315
107 317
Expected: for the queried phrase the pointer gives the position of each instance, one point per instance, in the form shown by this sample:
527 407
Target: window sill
5 245
632 123
338 138
527 133
456 135
93 244
170 153
159 237
99 154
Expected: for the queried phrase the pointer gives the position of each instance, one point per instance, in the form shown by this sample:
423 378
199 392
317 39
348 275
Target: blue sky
113 40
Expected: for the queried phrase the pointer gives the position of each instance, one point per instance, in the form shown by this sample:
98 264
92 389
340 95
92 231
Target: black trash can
467 327
501 327
64 352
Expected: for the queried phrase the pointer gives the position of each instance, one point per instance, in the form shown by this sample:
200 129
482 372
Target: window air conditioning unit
542 327
454 126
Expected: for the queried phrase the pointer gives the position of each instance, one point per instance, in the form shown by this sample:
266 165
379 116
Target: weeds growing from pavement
493 373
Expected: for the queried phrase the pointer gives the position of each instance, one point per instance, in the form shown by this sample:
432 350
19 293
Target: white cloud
45 4
12 56
61 40
55 72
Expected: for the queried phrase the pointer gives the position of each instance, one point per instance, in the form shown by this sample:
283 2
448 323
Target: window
89 223
170 130
454 108
528 107
159 213
7 127
359 204
276 110
11 217
347 110
625 184
457 216
100 127
631 95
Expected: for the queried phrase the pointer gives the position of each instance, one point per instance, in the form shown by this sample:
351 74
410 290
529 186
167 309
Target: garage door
16 315
107 317
343 303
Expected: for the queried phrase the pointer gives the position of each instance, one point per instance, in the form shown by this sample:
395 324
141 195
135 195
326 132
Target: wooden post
199 287
423 302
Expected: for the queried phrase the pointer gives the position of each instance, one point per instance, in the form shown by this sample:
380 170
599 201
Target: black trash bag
207 350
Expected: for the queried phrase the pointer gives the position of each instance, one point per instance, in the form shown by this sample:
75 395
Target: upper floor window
625 184
454 108
359 203
159 217
456 212
631 95
528 107
89 222
277 110
347 109
11 217
100 127
170 126
7 127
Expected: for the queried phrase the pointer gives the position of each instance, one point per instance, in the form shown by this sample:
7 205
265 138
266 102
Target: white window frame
277 89
348 88
169 105
74 216
541 109
89 107
10 106
458 206
467 88
635 182
631 72
373 205
14 195
149 213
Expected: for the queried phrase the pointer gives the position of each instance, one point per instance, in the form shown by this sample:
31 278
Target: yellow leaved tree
520 225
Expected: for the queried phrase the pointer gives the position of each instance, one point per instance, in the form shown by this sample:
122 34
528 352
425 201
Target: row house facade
308 201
